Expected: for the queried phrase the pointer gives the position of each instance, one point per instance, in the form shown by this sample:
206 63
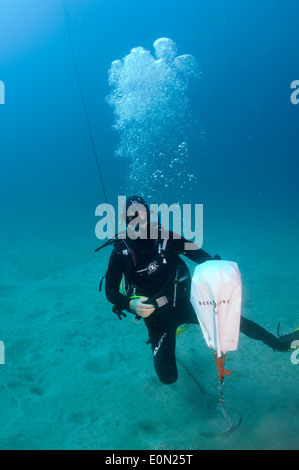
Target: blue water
65 354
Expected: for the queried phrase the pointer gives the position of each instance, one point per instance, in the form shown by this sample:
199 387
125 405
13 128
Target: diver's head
136 206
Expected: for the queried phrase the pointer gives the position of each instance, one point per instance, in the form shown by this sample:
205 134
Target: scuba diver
156 286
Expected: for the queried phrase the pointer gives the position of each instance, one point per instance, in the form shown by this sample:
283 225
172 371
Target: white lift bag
216 296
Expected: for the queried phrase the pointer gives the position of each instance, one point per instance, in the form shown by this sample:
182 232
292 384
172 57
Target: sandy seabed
75 377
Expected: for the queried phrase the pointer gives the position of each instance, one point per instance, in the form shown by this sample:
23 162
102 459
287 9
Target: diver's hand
141 309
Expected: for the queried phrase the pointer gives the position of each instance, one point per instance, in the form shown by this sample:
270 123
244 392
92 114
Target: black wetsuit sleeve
195 254
113 279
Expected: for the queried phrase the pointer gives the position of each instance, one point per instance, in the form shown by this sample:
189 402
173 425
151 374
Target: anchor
231 428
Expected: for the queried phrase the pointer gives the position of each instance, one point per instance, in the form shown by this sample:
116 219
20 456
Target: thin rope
83 100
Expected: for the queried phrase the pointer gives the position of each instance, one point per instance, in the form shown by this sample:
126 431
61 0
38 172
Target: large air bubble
165 48
153 117
187 65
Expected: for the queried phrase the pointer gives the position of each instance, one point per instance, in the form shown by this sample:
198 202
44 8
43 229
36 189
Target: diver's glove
118 312
216 257
139 307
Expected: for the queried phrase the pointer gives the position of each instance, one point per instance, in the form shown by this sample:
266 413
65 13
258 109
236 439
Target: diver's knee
168 379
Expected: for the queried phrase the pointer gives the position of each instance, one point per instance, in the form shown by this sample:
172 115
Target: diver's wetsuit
150 268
